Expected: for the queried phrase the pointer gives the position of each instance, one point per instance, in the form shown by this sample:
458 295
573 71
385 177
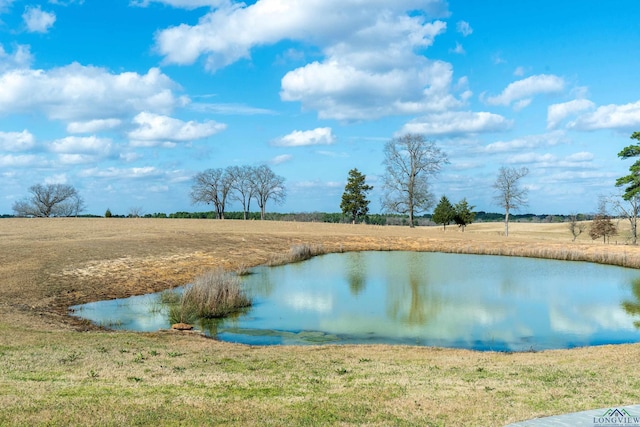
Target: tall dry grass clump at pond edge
297 253
214 294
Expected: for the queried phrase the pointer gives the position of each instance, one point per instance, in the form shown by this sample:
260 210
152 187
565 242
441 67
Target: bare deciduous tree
212 186
242 186
135 212
267 186
71 207
630 210
575 226
510 195
410 162
50 200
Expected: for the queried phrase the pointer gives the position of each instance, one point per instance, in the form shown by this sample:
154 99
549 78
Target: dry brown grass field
58 370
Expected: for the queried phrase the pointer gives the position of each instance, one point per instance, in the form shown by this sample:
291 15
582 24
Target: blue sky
128 99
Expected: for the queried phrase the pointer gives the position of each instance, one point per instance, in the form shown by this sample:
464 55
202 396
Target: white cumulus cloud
556 113
229 32
60 178
611 116
17 141
74 150
77 159
522 91
464 28
318 136
25 160
344 92
184 4
370 67
528 141
37 20
458 49
283 158
154 129
532 158
66 2
581 160
457 123
583 156
93 126
122 173
83 93
20 58
77 145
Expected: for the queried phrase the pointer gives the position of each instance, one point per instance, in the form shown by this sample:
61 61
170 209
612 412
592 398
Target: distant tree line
341 218
336 218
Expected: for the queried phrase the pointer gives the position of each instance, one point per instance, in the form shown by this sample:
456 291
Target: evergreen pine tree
354 201
463 214
444 213
632 189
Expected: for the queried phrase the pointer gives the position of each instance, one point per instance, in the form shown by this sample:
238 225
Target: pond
476 302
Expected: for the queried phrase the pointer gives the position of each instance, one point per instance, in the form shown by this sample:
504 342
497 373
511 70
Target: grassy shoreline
50 373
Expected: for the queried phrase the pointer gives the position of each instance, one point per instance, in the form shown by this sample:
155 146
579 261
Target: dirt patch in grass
52 374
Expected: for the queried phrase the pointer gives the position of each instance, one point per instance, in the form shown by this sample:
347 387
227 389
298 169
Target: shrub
214 294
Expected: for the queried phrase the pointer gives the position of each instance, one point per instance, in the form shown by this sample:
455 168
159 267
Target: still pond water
431 299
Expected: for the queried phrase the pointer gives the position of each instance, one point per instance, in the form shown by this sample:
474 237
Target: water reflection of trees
632 308
211 327
356 271
411 300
